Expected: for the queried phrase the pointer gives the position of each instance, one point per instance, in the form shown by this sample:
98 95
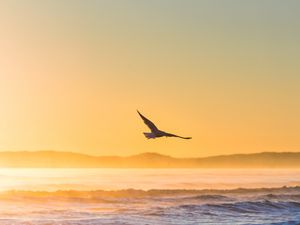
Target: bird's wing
151 125
174 135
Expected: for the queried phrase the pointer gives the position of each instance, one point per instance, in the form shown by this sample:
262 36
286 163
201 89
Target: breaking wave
208 194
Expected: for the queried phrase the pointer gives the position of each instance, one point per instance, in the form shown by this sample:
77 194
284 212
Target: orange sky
72 75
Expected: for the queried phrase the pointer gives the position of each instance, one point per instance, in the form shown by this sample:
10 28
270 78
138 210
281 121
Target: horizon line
142 153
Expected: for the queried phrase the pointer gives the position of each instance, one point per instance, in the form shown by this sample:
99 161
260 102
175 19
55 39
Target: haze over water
145 179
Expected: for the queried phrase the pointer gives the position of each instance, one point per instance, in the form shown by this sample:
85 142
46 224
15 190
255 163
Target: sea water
149 196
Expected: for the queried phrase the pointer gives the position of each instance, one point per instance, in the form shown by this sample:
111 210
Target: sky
73 74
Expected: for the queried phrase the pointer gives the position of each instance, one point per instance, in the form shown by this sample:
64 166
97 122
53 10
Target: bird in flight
155 132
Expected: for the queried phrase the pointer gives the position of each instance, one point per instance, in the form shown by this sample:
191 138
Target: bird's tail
149 135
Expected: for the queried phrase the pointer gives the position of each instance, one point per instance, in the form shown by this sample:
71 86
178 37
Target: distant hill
57 159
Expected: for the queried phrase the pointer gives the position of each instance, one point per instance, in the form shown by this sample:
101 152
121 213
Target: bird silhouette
155 132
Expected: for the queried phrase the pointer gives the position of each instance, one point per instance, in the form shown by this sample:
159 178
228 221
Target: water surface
149 196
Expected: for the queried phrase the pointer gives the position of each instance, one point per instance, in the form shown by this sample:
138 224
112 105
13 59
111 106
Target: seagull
155 132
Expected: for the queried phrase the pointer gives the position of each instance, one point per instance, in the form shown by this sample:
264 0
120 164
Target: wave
255 206
209 198
203 193
240 212
286 197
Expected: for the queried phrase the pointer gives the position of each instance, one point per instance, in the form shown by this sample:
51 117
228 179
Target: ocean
149 196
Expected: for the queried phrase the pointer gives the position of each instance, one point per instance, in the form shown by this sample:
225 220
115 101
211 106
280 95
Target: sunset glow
72 75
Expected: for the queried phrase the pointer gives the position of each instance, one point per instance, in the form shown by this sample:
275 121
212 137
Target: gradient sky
73 73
